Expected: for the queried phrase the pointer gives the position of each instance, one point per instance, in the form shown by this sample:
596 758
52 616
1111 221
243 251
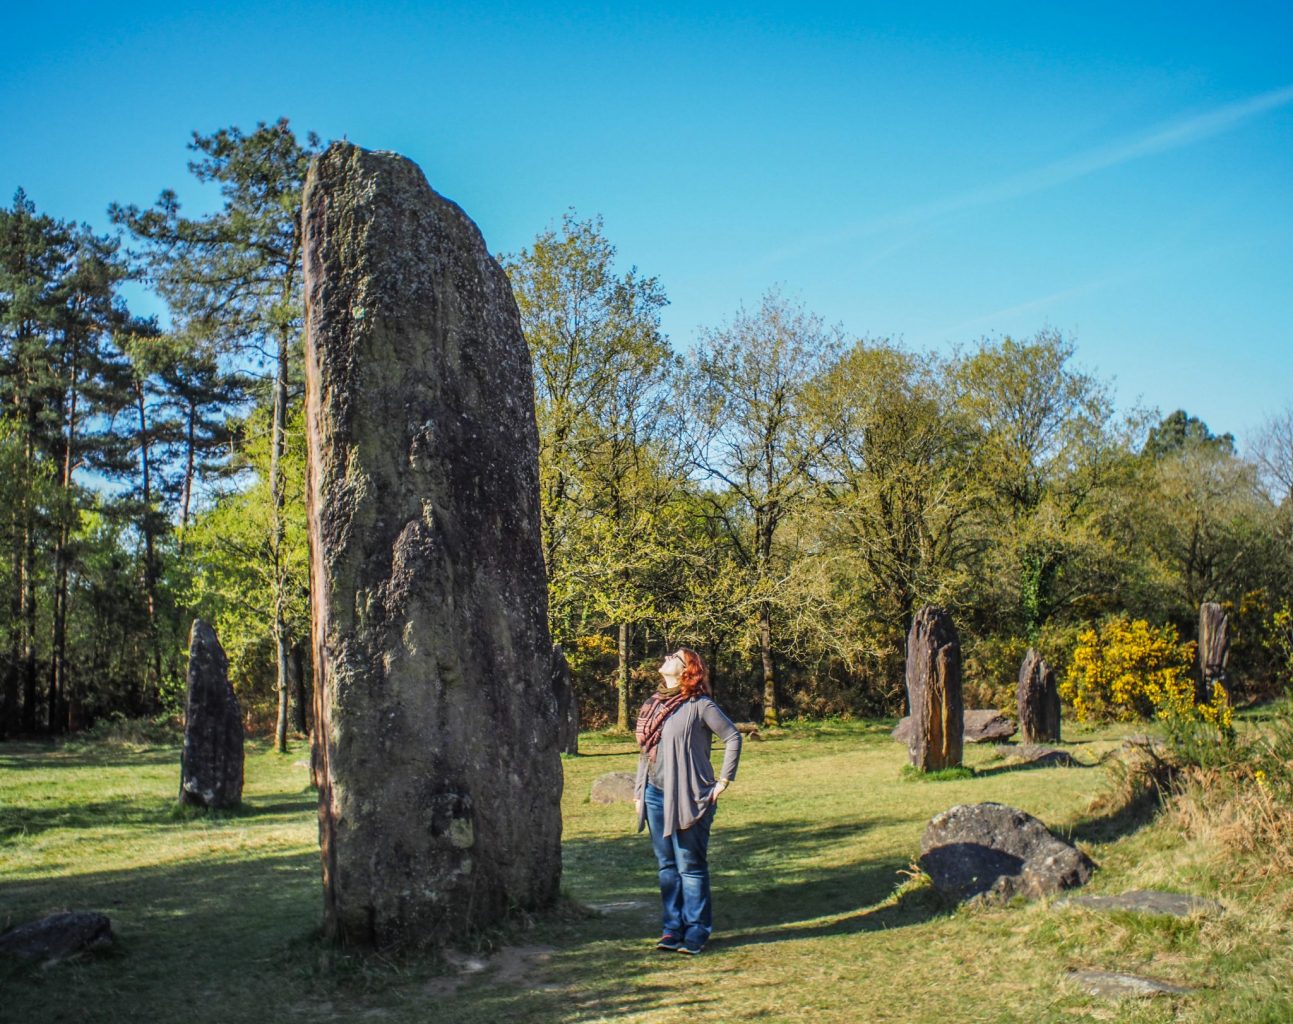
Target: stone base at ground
981 725
612 788
57 937
1149 901
994 851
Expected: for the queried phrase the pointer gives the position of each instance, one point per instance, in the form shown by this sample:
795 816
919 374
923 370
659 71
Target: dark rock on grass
57 937
1112 985
211 765
1040 755
981 726
996 852
612 788
1149 901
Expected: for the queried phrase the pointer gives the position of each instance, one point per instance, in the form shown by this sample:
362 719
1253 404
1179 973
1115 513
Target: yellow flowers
1259 777
1128 669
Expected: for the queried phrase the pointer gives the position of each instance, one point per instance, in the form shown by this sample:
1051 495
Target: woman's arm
724 728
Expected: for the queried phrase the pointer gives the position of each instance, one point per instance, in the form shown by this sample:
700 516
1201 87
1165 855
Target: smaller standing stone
934 691
1214 648
567 704
1039 701
211 764
613 788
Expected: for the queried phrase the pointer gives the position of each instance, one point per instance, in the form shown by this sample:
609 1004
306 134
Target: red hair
695 675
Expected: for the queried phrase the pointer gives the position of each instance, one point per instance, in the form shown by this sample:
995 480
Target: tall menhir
439 775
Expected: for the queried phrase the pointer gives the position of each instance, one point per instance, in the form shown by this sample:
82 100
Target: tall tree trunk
622 674
277 491
771 717
58 648
149 525
189 458
29 720
302 691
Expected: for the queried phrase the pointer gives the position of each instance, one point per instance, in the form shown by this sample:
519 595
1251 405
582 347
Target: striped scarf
652 717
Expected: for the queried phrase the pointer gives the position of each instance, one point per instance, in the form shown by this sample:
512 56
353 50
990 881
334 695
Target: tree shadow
1131 815
30 756
23 821
1040 764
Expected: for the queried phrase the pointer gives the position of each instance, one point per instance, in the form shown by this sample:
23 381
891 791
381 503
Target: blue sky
932 173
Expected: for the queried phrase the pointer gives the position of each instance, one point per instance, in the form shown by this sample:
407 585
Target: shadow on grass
1130 816
18 821
29 756
1029 766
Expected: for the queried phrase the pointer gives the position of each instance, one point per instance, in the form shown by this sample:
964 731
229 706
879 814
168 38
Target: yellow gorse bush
1128 670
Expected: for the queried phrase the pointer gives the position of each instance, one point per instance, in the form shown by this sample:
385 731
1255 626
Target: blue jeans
684 872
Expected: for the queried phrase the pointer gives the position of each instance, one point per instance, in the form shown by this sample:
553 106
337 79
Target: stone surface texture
612 788
996 852
979 725
563 692
57 936
1112 985
1039 701
211 762
1150 901
439 774
937 733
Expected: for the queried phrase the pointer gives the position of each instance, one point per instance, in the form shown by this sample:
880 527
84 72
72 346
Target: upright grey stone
937 733
211 761
1039 701
439 778
1214 647
567 704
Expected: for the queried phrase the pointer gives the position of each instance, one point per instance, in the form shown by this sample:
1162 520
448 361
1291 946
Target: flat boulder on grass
613 788
57 937
996 852
981 726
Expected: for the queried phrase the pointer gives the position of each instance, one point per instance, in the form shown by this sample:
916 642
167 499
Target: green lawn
816 918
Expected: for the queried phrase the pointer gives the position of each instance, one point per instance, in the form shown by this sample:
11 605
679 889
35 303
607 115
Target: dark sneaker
690 950
669 942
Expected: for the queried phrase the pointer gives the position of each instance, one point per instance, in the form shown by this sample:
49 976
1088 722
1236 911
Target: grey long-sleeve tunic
682 762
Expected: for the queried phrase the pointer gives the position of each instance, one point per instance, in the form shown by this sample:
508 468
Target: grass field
817 917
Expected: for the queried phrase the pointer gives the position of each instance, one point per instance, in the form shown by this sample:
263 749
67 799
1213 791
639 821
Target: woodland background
782 496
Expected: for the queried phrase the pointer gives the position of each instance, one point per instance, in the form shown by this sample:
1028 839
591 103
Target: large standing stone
440 782
1039 701
567 704
1214 647
997 852
211 761
934 691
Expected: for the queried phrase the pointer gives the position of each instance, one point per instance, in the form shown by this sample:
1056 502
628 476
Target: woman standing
677 793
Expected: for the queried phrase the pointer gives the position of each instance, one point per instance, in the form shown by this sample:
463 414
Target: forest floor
817 916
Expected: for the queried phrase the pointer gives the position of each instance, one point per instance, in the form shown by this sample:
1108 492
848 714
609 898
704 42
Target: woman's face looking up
672 668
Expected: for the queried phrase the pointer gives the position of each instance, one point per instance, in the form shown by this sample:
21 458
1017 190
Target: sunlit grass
818 914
